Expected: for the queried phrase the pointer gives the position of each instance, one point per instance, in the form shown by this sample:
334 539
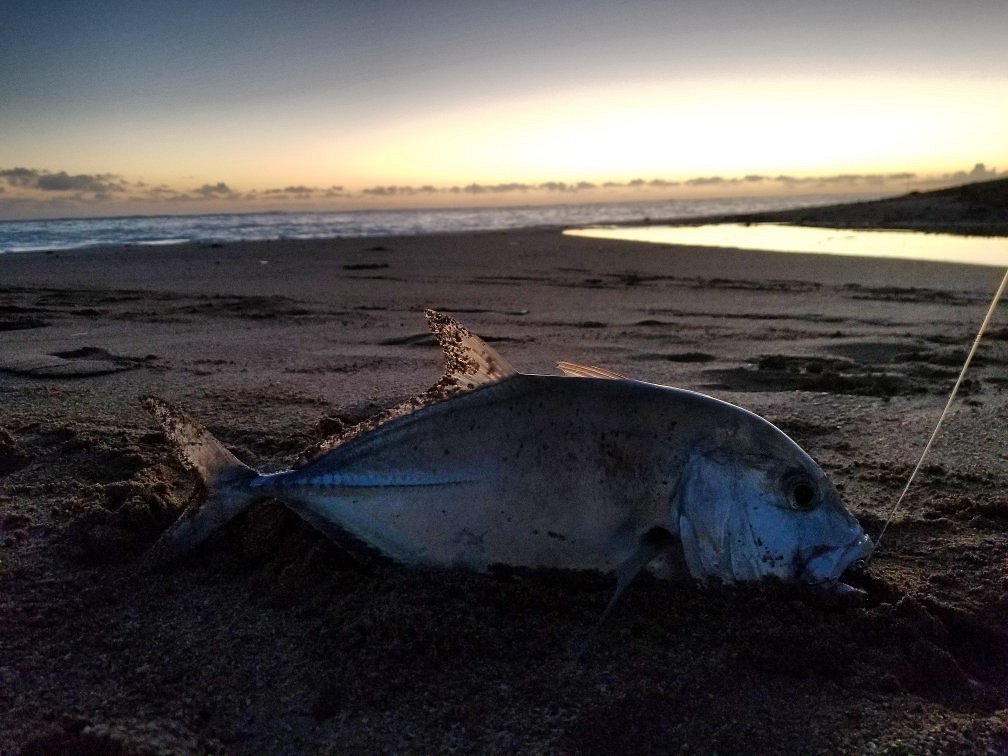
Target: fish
589 470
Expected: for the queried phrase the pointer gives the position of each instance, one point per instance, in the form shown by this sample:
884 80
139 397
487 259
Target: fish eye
802 492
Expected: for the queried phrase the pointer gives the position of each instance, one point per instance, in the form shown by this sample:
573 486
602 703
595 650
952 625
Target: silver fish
589 470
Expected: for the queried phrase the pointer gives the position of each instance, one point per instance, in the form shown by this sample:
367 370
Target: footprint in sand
85 362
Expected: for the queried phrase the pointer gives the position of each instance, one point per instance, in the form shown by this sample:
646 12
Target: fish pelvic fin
574 370
225 480
469 361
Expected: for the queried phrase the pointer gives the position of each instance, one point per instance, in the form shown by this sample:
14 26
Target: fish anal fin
469 361
574 370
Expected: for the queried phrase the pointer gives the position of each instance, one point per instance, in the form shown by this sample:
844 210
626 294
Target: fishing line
948 405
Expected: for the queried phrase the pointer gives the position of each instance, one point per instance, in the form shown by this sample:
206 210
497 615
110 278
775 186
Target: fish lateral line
289 479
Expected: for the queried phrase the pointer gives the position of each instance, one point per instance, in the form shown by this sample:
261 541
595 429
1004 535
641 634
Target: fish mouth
826 564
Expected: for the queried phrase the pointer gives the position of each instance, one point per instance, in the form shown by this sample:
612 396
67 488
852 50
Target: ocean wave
76 233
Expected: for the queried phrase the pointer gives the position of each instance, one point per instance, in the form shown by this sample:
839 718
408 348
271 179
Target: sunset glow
178 107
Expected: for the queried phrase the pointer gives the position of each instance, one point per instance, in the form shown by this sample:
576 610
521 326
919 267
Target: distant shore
979 209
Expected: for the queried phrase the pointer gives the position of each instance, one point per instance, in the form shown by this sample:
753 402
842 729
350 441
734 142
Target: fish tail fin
225 481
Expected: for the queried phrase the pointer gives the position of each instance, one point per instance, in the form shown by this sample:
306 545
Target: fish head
752 504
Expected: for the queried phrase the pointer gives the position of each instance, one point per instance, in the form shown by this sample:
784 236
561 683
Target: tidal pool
776 237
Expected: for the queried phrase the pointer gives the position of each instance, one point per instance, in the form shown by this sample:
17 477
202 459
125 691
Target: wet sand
269 639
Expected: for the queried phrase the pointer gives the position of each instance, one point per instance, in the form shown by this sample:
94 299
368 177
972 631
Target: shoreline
972 210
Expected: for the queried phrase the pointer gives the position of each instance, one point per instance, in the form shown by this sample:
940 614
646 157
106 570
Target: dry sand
270 640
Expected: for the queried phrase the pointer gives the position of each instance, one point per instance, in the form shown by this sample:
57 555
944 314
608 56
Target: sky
110 108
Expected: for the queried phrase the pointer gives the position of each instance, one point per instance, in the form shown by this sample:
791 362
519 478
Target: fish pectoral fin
574 370
469 361
651 545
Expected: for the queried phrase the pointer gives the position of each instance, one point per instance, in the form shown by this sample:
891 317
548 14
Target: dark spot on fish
559 537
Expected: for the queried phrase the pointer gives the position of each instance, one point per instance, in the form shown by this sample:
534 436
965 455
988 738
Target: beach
270 639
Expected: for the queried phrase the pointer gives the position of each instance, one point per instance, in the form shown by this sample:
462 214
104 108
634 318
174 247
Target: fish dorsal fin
436 393
575 370
469 361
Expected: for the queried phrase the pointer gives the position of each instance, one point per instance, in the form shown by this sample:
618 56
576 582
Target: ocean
77 233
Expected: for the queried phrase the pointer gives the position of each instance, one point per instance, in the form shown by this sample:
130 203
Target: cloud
220 190
407 191
27 192
382 191
159 192
979 172
298 191
708 181
101 184
493 188
20 176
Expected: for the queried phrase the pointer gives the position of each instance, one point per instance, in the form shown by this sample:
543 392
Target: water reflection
774 237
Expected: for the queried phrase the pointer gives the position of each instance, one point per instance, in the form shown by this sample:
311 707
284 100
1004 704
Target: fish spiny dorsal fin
469 361
575 370
436 393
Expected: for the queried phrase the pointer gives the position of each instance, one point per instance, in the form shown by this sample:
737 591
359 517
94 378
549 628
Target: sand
269 639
